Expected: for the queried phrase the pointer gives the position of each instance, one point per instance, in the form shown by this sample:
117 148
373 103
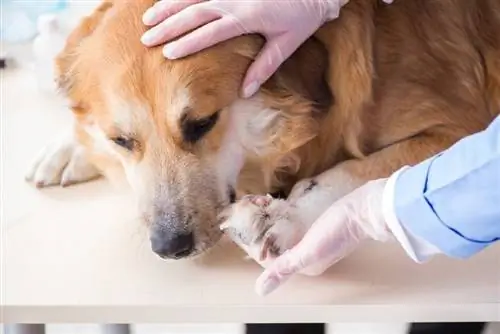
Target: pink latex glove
339 231
285 24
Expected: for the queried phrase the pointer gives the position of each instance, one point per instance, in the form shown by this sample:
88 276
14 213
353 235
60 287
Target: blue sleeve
452 200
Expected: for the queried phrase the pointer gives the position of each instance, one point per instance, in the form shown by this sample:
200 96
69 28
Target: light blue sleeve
452 200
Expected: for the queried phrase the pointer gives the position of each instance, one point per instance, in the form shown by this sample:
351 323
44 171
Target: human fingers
204 37
272 55
330 239
164 9
179 24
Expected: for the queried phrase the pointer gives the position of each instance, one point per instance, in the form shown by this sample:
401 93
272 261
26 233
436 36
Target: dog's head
179 128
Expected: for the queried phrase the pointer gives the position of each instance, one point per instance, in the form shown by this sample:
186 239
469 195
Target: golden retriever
380 87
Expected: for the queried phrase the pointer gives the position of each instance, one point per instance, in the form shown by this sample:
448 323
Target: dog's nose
172 246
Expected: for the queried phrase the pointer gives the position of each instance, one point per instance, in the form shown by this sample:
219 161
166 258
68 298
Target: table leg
115 329
25 329
285 328
448 328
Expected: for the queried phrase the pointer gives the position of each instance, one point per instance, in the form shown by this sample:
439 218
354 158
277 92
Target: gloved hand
285 24
343 227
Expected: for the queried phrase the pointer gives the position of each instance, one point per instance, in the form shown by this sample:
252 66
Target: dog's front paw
264 227
63 162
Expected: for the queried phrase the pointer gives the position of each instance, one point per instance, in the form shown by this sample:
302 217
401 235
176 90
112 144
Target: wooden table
79 255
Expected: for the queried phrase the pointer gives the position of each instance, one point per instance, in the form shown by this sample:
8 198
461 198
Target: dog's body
381 87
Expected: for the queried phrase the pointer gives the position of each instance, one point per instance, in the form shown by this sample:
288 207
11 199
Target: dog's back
412 68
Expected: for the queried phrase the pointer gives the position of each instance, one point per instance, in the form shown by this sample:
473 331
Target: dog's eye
125 142
194 130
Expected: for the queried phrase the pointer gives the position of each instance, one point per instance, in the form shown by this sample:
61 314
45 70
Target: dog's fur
380 87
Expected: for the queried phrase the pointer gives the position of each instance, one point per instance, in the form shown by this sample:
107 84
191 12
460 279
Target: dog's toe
78 169
61 163
280 237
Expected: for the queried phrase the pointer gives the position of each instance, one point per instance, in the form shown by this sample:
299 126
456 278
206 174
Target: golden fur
381 87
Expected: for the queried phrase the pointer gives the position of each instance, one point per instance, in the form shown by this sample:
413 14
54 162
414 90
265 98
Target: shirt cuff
417 215
417 248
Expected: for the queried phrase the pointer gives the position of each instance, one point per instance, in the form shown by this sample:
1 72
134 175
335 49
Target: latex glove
285 24
339 231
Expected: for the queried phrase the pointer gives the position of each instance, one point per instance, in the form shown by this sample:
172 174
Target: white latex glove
339 231
285 24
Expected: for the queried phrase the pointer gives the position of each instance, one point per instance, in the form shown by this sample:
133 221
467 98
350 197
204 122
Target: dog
380 87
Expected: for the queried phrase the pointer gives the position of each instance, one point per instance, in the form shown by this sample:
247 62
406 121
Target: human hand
339 231
212 22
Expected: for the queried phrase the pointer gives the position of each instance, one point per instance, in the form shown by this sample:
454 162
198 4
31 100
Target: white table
79 255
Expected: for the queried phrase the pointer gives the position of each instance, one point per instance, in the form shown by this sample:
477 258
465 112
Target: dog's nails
263 201
39 184
66 181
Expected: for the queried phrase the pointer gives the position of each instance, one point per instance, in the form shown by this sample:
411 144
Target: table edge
480 312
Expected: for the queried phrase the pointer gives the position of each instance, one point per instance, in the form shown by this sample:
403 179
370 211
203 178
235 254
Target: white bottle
46 46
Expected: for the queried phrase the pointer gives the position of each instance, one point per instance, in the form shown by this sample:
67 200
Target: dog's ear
304 74
66 59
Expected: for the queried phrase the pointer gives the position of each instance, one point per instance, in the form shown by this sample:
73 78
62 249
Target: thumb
272 55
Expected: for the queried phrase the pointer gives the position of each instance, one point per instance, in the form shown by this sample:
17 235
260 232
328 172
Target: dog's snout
172 245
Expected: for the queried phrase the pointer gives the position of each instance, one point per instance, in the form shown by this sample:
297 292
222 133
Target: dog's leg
383 163
63 162
310 198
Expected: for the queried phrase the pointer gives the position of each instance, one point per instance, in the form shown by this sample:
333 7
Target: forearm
451 200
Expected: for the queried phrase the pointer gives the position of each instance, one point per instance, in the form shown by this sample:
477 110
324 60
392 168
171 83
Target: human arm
430 208
452 200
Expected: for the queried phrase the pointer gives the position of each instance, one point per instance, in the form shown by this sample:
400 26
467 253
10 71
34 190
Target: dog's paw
278 236
63 162
264 227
